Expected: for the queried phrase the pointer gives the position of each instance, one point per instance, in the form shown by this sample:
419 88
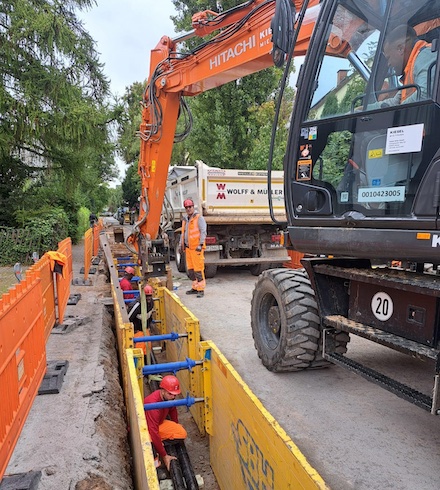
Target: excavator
362 174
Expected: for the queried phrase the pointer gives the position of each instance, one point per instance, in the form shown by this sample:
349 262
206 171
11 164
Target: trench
197 445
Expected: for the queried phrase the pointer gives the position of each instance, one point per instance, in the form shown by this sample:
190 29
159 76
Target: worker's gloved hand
199 248
167 460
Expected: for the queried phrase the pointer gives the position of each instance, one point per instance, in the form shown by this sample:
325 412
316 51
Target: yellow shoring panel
248 448
145 474
180 320
124 337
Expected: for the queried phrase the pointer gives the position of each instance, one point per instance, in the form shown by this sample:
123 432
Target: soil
78 438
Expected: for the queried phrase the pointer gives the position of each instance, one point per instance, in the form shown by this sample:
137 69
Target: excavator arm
243 45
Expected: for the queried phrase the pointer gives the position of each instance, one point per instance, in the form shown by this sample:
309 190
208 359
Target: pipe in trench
187 469
182 454
175 470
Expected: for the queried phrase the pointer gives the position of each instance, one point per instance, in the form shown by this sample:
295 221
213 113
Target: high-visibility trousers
195 261
171 430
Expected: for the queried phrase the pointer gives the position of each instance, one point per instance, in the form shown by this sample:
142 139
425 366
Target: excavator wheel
285 322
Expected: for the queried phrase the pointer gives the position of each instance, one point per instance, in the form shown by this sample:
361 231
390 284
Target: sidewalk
77 439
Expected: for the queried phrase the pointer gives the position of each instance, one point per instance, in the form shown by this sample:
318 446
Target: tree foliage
55 119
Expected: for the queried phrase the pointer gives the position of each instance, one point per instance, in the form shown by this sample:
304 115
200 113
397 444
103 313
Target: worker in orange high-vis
193 243
412 60
161 427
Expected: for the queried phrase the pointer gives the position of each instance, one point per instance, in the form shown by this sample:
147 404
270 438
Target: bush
83 221
41 232
17 246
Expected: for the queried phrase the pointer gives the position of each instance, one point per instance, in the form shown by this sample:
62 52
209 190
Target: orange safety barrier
22 358
44 272
88 251
27 316
64 280
96 231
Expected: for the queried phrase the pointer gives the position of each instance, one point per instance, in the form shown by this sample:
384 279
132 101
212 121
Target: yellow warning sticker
377 153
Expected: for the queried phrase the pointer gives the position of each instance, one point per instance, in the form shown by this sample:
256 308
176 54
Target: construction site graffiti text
256 470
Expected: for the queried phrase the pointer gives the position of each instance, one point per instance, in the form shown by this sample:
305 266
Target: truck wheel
210 271
180 256
285 321
257 269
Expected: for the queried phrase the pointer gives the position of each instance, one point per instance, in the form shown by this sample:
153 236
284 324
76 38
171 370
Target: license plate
213 248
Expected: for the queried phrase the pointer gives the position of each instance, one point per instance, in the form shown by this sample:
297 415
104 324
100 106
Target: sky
125 32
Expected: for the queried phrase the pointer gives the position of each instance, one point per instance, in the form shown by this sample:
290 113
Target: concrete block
166 485
200 481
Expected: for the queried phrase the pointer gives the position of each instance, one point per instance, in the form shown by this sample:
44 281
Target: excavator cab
373 163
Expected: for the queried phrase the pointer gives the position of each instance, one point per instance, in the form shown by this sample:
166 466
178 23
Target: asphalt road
354 433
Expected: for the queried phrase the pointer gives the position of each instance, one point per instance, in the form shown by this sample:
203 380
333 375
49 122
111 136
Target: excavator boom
242 46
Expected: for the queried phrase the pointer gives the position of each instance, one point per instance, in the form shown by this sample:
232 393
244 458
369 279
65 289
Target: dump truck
234 203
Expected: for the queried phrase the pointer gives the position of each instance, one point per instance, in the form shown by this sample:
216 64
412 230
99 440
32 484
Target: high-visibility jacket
194 237
408 78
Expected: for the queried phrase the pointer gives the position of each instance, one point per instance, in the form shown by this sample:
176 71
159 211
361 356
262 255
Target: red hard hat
130 270
188 202
171 384
148 290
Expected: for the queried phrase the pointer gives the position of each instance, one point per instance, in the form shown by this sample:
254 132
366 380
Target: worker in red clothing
159 426
125 282
193 244
135 316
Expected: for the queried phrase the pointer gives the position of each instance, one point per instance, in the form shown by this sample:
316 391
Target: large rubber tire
257 269
285 322
210 271
180 256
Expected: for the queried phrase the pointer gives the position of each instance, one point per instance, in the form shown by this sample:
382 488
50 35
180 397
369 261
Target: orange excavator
361 174
243 44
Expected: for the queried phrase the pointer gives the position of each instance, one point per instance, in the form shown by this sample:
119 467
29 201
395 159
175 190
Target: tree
131 186
128 144
54 114
330 106
224 118
231 124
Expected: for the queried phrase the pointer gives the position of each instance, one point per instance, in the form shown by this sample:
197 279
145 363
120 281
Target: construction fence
28 312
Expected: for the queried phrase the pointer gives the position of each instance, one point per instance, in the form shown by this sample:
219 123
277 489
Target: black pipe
175 470
186 466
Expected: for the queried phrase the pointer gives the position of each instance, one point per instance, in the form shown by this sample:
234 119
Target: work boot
200 294
192 291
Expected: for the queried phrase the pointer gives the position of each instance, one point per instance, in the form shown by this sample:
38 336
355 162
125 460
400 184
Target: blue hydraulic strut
170 366
188 402
153 338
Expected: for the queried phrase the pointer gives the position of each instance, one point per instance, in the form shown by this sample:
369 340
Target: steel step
395 342
403 391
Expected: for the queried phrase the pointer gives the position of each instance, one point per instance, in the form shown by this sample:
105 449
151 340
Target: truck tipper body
235 205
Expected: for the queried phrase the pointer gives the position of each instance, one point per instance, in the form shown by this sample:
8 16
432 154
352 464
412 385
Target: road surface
357 435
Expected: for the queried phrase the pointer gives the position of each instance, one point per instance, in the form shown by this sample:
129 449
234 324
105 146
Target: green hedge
40 233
